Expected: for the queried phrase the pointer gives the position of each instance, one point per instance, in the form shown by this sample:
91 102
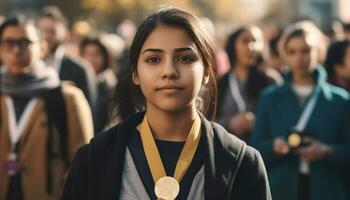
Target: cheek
240 51
347 62
290 59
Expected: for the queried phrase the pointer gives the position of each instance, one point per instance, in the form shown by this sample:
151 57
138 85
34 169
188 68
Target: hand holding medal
294 139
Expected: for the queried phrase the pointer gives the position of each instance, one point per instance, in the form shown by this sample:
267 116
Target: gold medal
167 188
294 140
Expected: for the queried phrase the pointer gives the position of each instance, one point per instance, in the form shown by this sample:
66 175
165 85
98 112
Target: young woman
302 127
170 151
98 55
240 88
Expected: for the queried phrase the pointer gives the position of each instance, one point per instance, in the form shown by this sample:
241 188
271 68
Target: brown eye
152 60
290 52
306 50
186 59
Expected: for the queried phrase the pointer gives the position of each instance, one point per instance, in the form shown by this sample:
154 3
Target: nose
169 70
17 49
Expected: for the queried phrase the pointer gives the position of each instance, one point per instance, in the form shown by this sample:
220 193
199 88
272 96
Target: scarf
32 83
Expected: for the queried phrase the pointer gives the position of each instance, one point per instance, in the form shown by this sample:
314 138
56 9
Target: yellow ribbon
153 156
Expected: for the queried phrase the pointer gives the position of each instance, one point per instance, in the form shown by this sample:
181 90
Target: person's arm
339 155
261 137
79 118
77 186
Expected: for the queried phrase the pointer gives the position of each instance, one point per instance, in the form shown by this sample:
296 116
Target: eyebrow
176 50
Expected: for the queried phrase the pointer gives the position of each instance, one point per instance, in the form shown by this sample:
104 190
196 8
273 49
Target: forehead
168 38
246 34
15 32
297 42
46 21
91 47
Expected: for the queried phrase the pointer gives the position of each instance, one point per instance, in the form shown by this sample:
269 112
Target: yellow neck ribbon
153 156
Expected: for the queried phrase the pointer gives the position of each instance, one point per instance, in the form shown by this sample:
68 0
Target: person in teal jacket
315 170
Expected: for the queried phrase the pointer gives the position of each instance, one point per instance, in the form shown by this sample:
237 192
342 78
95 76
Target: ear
206 76
135 78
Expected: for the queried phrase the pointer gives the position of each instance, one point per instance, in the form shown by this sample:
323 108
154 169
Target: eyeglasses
10 44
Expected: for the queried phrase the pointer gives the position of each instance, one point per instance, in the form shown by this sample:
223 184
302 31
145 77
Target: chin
173 107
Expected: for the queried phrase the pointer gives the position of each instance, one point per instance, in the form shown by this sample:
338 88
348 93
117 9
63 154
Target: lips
169 88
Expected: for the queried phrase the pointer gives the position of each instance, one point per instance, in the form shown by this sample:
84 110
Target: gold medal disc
294 140
167 188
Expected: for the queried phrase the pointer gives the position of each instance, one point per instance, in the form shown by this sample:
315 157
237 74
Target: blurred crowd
283 90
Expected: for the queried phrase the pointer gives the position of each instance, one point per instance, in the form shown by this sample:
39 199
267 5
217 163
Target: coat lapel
110 162
219 164
37 111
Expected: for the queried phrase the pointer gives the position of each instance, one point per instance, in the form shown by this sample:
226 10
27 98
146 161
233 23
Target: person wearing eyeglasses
37 136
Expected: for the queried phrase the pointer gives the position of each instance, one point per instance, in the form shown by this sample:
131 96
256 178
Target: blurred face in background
246 49
52 32
92 53
343 70
300 56
19 48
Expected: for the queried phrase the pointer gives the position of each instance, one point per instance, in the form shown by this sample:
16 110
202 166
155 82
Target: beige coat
32 150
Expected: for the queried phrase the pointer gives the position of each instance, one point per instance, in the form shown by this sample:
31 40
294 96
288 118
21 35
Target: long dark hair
335 55
129 98
256 80
230 45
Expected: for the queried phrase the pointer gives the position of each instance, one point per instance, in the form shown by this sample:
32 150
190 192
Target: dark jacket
81 75
278 111
256 82
96 172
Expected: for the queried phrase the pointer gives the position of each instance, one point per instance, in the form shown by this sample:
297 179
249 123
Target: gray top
132 186
229 107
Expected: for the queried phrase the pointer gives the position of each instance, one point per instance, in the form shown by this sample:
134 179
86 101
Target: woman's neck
241 72
305 79
171 126
342 82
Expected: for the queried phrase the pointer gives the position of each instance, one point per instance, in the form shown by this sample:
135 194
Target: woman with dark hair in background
338 67
98 55
239 89
337 64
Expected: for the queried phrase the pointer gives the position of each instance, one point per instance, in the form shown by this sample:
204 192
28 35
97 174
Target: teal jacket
278 111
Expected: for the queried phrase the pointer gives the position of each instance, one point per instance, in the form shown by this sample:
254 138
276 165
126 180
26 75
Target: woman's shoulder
117 134
106 137
233 145
70 91
236 155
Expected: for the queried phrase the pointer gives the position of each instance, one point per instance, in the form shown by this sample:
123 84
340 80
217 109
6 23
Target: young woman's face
299 55
245 48
92 53
170 70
